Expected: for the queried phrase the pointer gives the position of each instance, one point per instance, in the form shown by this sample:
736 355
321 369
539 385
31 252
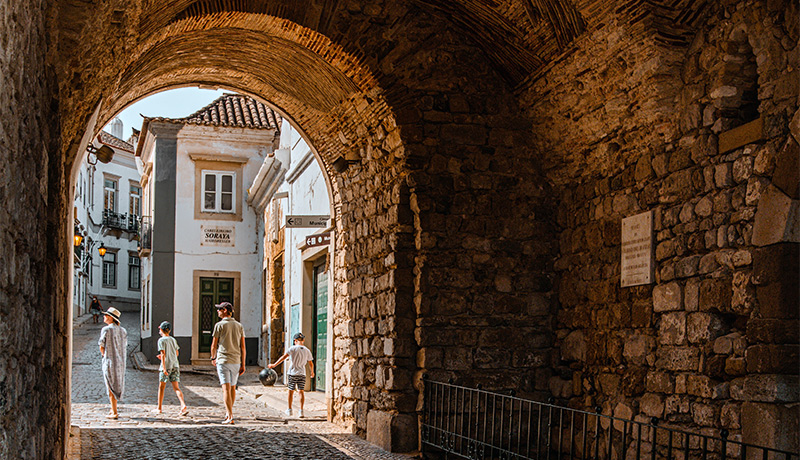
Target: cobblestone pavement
261 430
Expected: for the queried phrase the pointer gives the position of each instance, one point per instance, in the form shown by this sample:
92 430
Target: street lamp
78 239
104 154
102 249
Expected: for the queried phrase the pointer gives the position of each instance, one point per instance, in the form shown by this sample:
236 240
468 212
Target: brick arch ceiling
301 73
520 37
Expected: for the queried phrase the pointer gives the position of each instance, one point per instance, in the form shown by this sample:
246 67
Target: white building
296 260
107 207
200 243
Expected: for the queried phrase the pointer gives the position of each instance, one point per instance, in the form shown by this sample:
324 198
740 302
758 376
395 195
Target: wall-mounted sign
307 221
637 250
322 239
217 235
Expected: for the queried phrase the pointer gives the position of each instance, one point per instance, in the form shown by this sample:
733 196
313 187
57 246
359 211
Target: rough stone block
742 169
392 432
659 382
770 330
772 359
704 414
776 263
767 388
729 416
672 330
637 347
777 218
574 347
687 266
787 170
778 300
678 358
773 425
691 295
668 297
723 175
700 385
652 405
703 327
715 294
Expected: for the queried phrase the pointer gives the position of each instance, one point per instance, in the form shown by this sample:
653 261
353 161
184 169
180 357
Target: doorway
320 325
212 292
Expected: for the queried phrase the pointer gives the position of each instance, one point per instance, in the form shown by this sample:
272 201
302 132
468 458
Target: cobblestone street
261 430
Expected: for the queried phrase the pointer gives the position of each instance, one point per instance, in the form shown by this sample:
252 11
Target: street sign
320 239
307 221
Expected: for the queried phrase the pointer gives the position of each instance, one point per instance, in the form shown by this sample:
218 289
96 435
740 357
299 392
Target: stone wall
34 327
712 343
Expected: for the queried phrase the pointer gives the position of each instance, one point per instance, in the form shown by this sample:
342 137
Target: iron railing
145 234
477 424
125 222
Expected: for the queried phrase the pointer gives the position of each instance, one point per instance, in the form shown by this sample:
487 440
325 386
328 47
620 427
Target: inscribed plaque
637 250
215 235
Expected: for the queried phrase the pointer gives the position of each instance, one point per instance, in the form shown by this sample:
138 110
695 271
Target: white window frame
134 265
218 191
113 265
107 190
137 198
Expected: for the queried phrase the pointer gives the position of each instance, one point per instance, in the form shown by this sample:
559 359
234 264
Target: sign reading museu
216 235
637 250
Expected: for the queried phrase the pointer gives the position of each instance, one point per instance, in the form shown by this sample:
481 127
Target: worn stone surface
496 162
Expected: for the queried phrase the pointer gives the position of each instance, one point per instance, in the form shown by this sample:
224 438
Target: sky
174 103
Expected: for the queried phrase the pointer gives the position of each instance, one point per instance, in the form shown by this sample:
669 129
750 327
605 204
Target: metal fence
461 422
125 222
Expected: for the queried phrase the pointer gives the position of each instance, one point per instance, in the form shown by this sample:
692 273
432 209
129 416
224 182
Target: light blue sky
174 103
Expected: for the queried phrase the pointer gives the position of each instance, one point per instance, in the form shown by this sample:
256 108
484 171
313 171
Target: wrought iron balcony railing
125 222
145 234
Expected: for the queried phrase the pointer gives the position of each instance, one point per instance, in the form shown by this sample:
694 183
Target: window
218 191
110 269
135 208
110 195
133 272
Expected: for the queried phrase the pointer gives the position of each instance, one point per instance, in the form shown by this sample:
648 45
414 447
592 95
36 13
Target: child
169 371
298 356
113 346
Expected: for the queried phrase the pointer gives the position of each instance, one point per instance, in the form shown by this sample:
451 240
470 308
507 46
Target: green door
212 292
320 325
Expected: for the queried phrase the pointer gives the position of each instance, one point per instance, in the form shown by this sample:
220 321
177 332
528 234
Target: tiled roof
232 110
113 141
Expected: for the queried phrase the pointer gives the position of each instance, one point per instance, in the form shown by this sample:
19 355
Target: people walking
169 370
113 346
299 356
228 355
95 309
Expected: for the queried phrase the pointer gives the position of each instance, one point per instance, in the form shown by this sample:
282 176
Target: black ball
267 376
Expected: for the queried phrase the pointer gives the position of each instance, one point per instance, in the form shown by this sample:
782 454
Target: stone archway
438 133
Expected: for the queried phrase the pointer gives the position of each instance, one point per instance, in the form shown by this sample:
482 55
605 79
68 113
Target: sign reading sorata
215 235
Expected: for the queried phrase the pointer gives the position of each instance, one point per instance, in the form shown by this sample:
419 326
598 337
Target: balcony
123 222
145 236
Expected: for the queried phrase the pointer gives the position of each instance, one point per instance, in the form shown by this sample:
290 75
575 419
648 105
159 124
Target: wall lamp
104 154
79 239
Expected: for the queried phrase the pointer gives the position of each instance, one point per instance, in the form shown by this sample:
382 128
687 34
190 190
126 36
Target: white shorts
228 373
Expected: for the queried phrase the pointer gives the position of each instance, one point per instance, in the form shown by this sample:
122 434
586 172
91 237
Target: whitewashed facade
200 242
298 277
107 207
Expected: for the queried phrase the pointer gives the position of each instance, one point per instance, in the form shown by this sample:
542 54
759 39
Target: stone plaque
637 250
217 235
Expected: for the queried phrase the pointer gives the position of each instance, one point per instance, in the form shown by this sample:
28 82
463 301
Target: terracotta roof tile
232 110
113 141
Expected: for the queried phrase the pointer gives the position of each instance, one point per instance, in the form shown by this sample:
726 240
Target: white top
299 355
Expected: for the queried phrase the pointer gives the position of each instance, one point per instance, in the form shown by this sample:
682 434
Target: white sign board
307 221
637 250
217 235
